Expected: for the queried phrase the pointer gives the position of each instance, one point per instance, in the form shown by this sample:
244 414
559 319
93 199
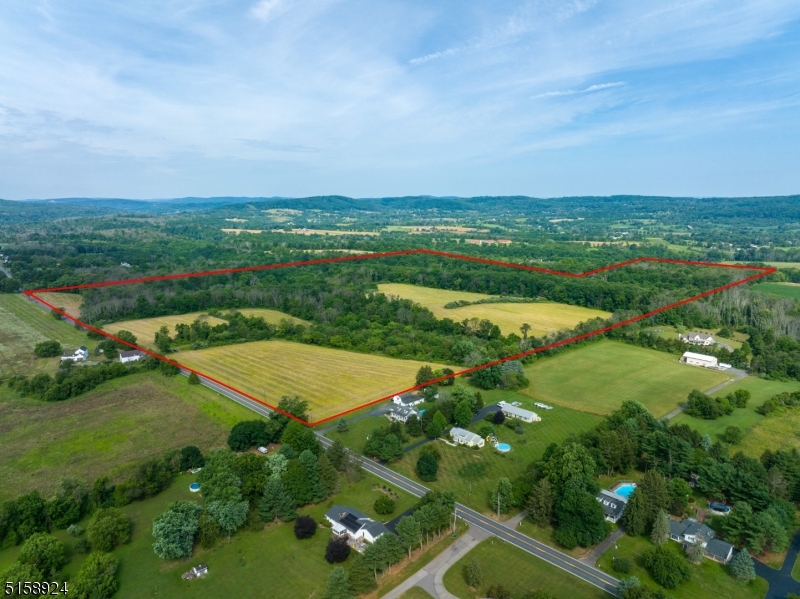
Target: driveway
738 375
780 581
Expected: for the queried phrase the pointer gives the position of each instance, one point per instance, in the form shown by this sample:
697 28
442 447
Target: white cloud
264 10
572 92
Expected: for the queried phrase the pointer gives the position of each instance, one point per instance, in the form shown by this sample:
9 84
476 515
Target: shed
694 359
519 413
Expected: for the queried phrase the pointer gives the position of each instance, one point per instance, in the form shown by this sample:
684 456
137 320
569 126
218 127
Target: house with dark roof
689 532
718 550
408 399
613 505
131 356
356 526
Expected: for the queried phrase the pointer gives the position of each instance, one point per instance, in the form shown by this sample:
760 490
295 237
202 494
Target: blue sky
154 99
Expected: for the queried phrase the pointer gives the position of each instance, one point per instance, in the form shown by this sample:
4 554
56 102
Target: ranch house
694 359
690 531
613 505
465 437
358 528
408 399
400 413
130 356
79 355
697 339
519 413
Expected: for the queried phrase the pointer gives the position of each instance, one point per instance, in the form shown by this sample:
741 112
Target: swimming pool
626 490
504 447
194 487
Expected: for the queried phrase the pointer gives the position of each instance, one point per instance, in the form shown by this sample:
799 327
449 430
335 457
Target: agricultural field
745 418
543 317
472 473
106 431
790 290
23 324
709 579
518 571
598 377
68 302
331 380
145 329
776 431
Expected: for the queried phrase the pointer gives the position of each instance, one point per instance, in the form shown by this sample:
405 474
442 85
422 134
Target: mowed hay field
145 329
23 324
544 317
597 378
69 302
331 380
791 290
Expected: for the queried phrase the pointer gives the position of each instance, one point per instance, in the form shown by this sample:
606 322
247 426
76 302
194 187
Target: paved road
738 375
780 581
540 550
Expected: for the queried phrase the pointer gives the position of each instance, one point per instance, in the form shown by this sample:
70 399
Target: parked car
719 507
263 449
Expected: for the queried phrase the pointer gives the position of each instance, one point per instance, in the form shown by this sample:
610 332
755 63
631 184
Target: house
408 399
718 550
519 413
80 354
199 571
697 339
400 413
694 359
357 527
131 356
465 437
613 505
690 531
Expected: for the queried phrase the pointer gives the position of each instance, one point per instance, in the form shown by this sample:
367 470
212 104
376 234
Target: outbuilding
465 437
518 413
130 356
694 359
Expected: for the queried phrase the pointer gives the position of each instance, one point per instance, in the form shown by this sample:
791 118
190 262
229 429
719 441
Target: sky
548 98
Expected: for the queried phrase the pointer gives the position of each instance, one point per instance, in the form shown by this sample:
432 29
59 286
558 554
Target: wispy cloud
434 56
265 10
573 92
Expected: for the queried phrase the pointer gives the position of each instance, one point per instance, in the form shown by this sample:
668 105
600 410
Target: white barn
694 359
519 413
465 437
130 356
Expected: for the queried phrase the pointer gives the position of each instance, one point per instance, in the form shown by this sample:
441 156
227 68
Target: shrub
47 349
383 505
666 567
305 527
74 530
108 528
83 546
43 552
194 379
499 417
337 551
733 435
498 591
621 565
427 467
472 573
97 577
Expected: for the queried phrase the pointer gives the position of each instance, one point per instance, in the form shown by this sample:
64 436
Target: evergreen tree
328 475
742 566
472 573
500 498
409 532
337 586
437 425
656 494
375 558
695 551
706 443
337 456
463 414
360 577
342 426
635 515
299 437
660 534
276 502
541 502
413 426
391 448
425 374
311 467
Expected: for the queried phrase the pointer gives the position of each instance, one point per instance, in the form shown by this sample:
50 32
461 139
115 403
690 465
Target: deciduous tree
97 578
108 528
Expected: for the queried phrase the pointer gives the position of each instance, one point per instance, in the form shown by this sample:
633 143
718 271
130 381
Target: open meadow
543 317
69 302
145 329
23 324
598 377
331 380
107 431
790 290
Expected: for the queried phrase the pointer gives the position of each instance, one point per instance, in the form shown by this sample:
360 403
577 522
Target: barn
511 411
694 359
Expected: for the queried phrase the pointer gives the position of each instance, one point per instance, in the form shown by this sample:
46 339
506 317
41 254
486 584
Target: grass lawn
145 329
745 418
23 324
790 290
415 593
68 302
667 332
356 436
331 380
472 473
598 377
547 536
776 431
544 317
518 571
106 431
709 579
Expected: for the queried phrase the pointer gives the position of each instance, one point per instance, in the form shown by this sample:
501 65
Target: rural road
738 375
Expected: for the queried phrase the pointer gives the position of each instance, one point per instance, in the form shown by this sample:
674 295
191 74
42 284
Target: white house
694 359
357 527
131 356
519 413
697 339
408 399
465 437
401 413
80 354
613 504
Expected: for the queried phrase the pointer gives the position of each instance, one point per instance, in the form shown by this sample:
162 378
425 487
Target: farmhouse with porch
408 399
80 354
697 339
358 528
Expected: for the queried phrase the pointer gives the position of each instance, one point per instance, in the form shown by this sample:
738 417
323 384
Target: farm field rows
331 380
145 329
24 324
598 377
69 302
543 317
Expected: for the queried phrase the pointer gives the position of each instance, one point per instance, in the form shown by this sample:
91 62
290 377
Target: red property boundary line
762 271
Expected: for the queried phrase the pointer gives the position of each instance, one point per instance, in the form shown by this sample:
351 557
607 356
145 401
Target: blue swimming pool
625 490
504 447
194 487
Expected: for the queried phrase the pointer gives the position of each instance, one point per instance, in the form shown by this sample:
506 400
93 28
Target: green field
106 431
23 324
544 317
331 380
519 572
358 431
709 579
776 431
744 418
597 378
471 473
790 290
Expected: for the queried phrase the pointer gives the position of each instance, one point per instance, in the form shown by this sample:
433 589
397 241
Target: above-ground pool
504 447
194 487
625 489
